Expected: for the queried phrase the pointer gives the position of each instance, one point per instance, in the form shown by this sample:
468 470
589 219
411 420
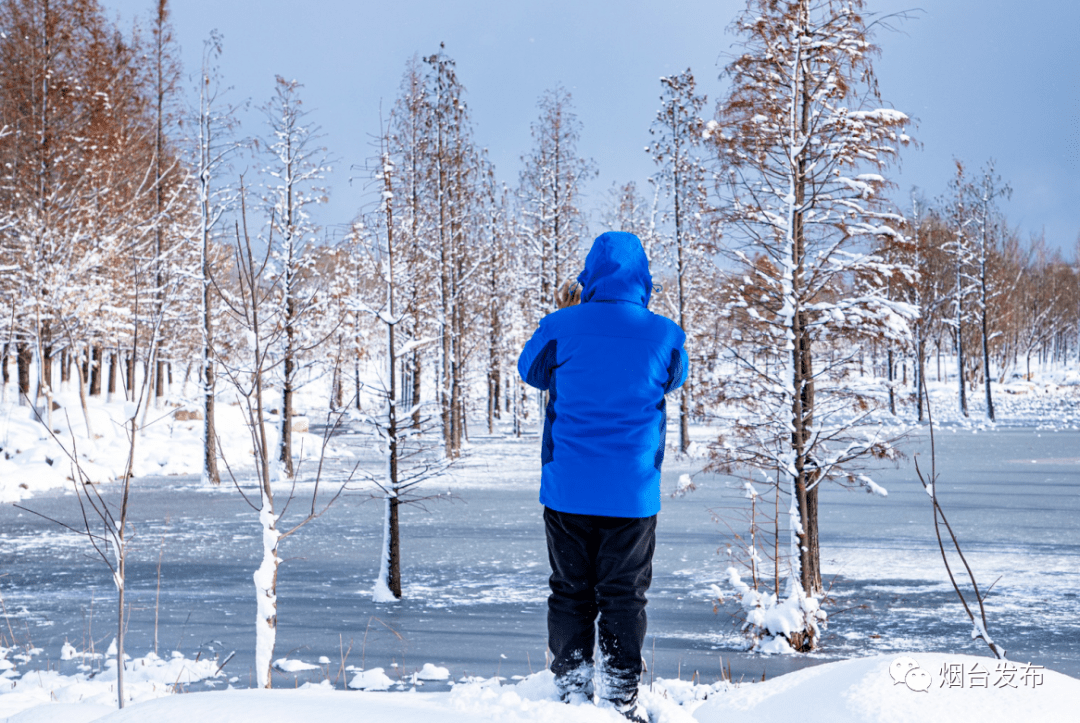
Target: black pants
599 565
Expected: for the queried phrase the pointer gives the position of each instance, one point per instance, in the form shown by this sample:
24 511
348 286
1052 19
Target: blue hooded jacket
607 364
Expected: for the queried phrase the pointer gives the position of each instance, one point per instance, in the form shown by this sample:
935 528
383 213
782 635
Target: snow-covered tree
628 210
923 249
253 304
296 165
453 172
76 168
803 139
407 459
165 77
410 146
499 235
551 189
214 147
984 194
676 148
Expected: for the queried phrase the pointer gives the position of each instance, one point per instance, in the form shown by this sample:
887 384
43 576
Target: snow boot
576 685
632 710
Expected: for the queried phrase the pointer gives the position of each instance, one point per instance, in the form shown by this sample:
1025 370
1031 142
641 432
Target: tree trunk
960 371
803 401
684 417
356 375
416 389
892 392
210 468
5 376
159 382
266 594
80 371
337 386
47 365
285 453
684 402
493 362
394 578
808 472
129 362
920 376
22 361
288 369
95 371
112 374
120 578
986 360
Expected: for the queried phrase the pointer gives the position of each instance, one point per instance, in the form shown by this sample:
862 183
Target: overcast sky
983 79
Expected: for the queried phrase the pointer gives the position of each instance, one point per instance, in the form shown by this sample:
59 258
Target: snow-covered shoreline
926 689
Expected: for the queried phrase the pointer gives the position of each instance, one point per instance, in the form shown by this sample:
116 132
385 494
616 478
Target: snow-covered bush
772 625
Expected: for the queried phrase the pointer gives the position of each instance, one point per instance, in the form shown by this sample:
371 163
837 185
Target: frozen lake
475 569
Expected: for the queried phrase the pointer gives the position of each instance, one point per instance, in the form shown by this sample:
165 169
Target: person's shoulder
558 317
667 329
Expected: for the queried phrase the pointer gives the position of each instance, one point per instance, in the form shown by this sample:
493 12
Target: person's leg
623 574
572 607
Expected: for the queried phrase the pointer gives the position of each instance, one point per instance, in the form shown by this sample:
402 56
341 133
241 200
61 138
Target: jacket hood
616 269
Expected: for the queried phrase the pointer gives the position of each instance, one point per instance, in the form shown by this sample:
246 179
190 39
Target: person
606 364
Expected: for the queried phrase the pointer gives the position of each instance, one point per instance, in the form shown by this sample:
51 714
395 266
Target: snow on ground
1050 400
928 688
866 690
169 442
94 685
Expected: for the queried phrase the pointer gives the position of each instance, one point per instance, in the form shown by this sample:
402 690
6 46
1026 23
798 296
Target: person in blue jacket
606 364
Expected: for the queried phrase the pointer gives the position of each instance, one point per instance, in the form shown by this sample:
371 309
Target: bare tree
407 459
166 75
803 138
677 131
254 305
931 484
297 164
105 523
215 146
986 192
628 210
454 170
552 185
962 264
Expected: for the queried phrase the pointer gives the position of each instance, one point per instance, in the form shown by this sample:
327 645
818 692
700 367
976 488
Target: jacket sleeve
678 368
537 359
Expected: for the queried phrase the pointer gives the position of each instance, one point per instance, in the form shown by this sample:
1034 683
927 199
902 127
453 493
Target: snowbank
885 689
37 691
863 691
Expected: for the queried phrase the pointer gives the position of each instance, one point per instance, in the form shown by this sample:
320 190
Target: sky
981 78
